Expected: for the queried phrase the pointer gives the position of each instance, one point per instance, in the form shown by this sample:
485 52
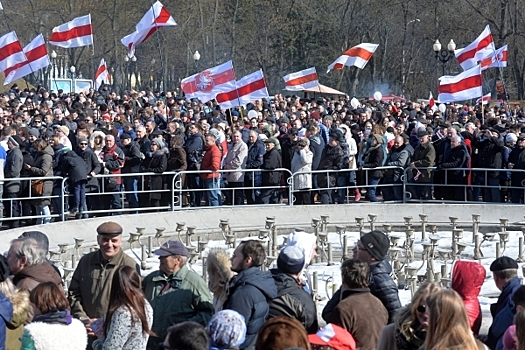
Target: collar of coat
353 291
97 259
178 275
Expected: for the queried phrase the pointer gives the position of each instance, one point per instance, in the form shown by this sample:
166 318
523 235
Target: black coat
13 167
93 166
374 159
456 158
194 146
249 294
317 145
331 159
155 162
133 158
293 301
74 167
271 161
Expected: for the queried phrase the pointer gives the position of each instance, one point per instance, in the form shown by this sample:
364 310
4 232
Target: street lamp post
72 69
196 58
444 54
403 68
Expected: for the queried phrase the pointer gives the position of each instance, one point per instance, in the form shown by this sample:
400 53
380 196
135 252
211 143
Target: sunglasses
83 144
163 346
421 309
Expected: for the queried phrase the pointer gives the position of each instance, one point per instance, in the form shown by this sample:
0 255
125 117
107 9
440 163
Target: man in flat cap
176 293
91 283
505 273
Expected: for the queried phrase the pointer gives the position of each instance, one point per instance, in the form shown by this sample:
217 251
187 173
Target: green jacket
91 284
187 299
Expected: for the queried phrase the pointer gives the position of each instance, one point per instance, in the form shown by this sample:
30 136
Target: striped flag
250 88
462 87
102 74
11 52
497 60
432 102
157 16
75 33
207 84
357 56
484 100
479 49
36 58
301 80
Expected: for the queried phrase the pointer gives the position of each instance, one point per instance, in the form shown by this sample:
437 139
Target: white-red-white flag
75 33
1 7
357 56
250 88
298 81
484 100
432 102
102 74
36 59
156 17
210 82
11 52
497 60
462 87
479 49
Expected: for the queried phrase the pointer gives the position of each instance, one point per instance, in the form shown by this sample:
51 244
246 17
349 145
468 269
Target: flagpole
159 47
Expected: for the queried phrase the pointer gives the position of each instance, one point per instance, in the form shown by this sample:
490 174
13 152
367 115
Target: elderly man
424 157
236 160
91 283
505 273
270 177
113 160
27 262
176 293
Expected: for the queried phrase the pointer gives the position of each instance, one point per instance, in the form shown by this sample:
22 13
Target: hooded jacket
31 276
249 294
15 327
6 312
74 167
467 279
218 266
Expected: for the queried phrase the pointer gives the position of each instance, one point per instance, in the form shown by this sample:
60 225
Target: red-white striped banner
462 87
485 99
497 60
157 16
305 79
102 74
207 84
357 56
249 89
75 33
479 49
11 52
37 58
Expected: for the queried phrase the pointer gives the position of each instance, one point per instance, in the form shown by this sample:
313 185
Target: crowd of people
107 305
336 152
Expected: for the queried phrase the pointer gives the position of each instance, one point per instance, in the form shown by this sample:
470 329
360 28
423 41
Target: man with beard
399 156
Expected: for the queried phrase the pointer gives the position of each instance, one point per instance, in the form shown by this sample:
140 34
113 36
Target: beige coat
236 160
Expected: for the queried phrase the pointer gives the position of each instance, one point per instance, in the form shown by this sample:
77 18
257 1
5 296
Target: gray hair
29 248
39 237
456 138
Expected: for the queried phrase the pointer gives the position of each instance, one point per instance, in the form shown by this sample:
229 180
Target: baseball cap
172 248
333 336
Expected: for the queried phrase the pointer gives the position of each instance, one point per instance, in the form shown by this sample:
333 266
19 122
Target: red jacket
467 279
211 161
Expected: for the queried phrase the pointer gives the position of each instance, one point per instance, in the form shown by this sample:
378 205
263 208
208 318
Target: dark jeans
237 195
112 201
302 197
194 183
79 188
269 196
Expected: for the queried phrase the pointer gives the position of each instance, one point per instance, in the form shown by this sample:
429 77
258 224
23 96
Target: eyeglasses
421 309
163 346
83 144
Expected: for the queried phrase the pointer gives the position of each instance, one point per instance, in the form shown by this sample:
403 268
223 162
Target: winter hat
333 336
125 136
503 263
82 139
215 133
376 243
291 260
304 240
511 138
227 330
282 332
379 138
34 132
158 141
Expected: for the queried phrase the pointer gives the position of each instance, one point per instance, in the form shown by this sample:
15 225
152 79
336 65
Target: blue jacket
249 294
6 312
502 314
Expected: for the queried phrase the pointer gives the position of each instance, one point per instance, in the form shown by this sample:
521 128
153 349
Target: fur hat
282 332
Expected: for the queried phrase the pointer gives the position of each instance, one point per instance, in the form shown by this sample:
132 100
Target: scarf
55 317
404 344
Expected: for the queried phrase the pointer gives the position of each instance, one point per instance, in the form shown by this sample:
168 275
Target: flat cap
503 263
109 228
172 248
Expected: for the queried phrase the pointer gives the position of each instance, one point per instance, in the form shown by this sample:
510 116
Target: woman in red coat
467 279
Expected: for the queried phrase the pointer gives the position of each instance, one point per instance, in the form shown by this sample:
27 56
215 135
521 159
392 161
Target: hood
92 139
6 309
159 152
21 304
283 280
467 278
304 240
262 280
218 266
48 150
43 272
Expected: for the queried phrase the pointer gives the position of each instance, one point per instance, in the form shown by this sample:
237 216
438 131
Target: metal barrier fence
146 192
